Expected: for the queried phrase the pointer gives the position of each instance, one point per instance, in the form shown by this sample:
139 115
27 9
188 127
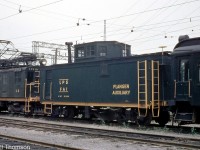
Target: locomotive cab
187 80
101 50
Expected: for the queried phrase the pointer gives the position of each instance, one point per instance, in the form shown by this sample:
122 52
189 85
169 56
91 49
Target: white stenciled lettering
121 89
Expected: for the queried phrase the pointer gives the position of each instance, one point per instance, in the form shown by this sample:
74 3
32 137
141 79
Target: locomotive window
80 52
184 70
102 51
124 52
90 51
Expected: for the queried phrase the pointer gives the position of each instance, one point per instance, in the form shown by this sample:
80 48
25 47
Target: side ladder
27 105
48 109
155 88
142 88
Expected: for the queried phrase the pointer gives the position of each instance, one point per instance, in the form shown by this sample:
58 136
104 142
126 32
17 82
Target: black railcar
186 75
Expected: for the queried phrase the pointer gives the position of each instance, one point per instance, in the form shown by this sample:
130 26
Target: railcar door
48 85
4 87
183 79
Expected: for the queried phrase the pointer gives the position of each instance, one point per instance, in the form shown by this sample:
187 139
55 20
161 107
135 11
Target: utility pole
56 55
104 30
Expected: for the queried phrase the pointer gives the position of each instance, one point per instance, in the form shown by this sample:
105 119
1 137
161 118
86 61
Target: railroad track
34 143
140 137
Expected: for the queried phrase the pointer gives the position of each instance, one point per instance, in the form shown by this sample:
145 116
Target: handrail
43 91
189 89
50 90
175 88
25 86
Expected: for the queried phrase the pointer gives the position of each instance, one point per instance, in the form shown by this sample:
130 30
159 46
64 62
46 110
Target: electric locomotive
20 84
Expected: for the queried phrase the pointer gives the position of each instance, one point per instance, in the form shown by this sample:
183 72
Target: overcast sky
56 21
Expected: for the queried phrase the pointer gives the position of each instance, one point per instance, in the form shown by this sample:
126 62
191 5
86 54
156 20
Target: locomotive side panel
101 83
97 82
12 83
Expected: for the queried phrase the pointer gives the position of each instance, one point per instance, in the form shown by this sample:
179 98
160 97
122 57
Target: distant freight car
108 83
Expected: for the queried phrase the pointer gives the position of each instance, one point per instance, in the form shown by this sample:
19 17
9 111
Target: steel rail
43 144
140 137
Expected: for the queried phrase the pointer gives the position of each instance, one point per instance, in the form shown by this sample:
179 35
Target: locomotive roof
99 42
188 45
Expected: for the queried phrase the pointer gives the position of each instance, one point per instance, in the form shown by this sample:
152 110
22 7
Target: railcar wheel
10 109
144 121
56 112
69 112
121 117
163 119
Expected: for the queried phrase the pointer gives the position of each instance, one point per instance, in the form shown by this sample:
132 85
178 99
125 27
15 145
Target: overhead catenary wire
149 19
32 9
112 32
41 10
139 28
145 11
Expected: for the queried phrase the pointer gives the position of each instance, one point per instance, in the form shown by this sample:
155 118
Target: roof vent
183 37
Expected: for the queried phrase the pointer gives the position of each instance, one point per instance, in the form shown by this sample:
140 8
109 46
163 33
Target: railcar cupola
101 50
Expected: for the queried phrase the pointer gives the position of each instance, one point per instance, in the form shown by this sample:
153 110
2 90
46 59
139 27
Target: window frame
103 51
184 70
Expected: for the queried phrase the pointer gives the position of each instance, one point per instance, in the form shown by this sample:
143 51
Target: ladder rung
48 108
156 105
142 77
